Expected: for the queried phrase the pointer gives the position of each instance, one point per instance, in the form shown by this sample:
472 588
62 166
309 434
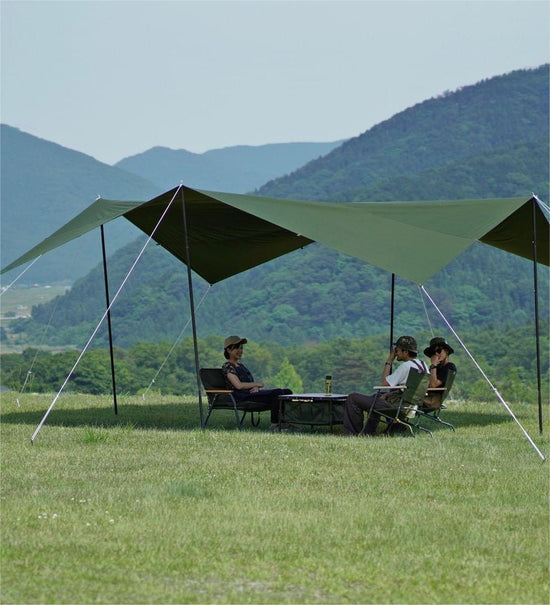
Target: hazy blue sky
114 78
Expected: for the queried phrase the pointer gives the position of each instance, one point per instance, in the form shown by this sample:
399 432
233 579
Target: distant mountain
43 186
315 294
493 114
236 169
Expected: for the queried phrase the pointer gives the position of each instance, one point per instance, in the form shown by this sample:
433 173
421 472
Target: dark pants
270 396
356 405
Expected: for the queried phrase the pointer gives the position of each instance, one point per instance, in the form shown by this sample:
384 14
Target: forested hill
493 114
44 185
514 171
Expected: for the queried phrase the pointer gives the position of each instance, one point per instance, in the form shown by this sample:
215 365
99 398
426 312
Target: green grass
144 507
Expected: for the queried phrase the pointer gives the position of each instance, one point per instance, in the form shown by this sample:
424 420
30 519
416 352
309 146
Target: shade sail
98 213
230 233
223 240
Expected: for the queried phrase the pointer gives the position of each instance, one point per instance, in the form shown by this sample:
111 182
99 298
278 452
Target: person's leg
356 404
373 420
382 402
271 396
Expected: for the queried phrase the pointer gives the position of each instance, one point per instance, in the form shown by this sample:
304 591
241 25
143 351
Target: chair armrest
218 391
400 387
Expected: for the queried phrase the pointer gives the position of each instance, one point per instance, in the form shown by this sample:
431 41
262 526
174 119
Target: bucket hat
435 343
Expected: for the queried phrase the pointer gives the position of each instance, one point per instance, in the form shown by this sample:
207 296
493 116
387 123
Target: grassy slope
145 507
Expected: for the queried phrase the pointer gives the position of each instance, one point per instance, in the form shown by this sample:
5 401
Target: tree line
507 357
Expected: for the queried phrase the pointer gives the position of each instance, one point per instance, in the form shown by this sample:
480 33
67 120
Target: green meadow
145 507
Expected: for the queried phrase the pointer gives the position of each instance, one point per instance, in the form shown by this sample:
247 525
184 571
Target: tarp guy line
29 371
176 342
425 311
102 319
499 396
22 272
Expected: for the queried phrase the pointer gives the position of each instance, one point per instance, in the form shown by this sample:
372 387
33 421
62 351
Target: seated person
440 364
405 350
240 380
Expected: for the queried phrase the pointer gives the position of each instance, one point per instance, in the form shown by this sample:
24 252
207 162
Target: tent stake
192 304
107 299
536 294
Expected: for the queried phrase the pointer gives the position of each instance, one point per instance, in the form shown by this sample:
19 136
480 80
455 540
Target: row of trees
508 358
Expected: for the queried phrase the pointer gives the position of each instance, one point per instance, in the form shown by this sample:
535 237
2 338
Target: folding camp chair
432 413
406 400
221 398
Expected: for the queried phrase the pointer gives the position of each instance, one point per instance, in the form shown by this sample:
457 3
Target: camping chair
432 413
404 409
221 398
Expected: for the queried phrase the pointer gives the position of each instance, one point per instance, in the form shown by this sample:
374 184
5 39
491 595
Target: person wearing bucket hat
440 364
405 350
239 379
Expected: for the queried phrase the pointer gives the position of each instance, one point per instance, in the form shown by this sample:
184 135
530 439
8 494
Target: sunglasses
439 349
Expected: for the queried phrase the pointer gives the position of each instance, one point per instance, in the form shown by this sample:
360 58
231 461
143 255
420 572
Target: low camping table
315 409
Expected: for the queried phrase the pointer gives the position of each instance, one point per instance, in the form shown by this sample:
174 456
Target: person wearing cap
440 364
404 350
240 380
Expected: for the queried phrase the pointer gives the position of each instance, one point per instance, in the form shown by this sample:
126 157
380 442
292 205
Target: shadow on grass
184 417
463 419
166 416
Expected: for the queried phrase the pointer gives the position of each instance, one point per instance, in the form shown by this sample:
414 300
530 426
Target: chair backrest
212 378
417 383
448 384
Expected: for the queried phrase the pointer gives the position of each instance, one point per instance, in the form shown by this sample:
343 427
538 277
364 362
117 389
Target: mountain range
490 139
238 169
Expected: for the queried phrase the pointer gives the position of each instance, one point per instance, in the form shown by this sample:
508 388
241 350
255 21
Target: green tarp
230 233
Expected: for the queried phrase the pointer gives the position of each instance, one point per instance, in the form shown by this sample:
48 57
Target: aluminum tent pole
536 295
392 301
109 327
192 304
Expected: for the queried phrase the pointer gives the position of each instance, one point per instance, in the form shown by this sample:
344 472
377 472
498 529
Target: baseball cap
233 340
407 343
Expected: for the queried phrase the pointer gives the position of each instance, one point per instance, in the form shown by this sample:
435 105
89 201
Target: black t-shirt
241 371
442 372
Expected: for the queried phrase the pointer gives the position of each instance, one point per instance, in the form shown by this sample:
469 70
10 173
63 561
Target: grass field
145 507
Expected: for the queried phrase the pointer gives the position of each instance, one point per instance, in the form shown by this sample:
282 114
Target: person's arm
387 368
434 380
244 386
